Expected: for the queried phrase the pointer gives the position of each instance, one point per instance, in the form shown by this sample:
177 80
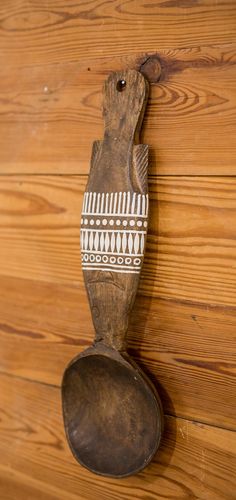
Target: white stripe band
115 266
118 214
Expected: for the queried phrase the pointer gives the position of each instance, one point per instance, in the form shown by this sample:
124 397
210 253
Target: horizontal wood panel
49 31
194 461
53 114
191 245
55 56
187 350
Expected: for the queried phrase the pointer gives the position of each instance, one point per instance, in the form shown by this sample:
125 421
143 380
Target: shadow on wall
139 334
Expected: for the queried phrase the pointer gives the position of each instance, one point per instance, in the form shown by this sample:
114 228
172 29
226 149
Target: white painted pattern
105 247
122 203
113 241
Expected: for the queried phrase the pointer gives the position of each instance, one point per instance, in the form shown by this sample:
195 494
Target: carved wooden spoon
112 412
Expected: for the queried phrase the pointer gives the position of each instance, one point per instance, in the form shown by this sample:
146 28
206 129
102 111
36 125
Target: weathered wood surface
118 172
45 31
194 461
53 114
188 348
190 252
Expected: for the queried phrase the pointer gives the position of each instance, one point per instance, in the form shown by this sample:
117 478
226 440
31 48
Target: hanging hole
120 86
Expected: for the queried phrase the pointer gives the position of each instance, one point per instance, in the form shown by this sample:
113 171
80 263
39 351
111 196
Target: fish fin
140 167
96 148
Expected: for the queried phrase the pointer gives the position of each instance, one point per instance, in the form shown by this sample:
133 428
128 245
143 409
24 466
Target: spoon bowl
112 413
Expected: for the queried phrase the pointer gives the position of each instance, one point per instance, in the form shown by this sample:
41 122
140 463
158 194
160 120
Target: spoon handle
115 209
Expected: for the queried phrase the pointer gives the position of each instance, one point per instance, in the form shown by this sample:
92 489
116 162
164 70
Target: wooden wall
55 55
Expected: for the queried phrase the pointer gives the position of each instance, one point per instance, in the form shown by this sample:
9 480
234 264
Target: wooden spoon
112 412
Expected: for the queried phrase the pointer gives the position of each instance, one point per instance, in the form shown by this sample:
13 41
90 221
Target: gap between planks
91 62
169 415
84 176
189 302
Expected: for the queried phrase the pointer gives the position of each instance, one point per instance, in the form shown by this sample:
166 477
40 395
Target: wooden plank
52 113
194 461
15 485
45 31
191 239
188 350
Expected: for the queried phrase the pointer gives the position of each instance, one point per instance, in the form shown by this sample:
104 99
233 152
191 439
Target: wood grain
187 350
117 166
54 57
194 461
190 252
49 31
53 114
